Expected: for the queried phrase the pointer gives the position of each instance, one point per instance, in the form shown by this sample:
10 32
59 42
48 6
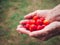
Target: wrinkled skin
51 30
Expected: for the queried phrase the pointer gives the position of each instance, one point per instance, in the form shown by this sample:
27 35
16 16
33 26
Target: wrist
55 13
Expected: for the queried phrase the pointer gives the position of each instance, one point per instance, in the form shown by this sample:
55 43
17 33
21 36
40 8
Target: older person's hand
50 30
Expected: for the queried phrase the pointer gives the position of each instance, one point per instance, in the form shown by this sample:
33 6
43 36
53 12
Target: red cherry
36 17
45 22
39 22
39 27
27 26
32 27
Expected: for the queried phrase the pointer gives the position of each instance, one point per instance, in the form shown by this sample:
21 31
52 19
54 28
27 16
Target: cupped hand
49 31
40 13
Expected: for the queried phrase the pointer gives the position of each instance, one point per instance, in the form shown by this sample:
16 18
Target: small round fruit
42 18
39 22
43 26
27 26
39 27
28 22
36 17
32 27
32 21
45 22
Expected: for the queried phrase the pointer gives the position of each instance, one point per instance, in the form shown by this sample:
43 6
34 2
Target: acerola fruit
28 22
45 22
32 21
27 26
39 22
43 26
36 23
32 27
36 17
39 27
42 19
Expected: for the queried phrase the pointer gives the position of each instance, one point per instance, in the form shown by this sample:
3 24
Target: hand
42 13
49 31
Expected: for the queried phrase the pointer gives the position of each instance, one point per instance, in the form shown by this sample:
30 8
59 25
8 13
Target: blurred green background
12 11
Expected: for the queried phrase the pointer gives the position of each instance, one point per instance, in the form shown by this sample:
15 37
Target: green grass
13 11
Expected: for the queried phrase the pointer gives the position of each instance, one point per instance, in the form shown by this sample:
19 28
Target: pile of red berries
36 23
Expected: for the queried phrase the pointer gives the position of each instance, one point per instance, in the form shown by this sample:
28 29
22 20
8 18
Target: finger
30 15
19 26
38 34
23 22
19 32
40 13
22 30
